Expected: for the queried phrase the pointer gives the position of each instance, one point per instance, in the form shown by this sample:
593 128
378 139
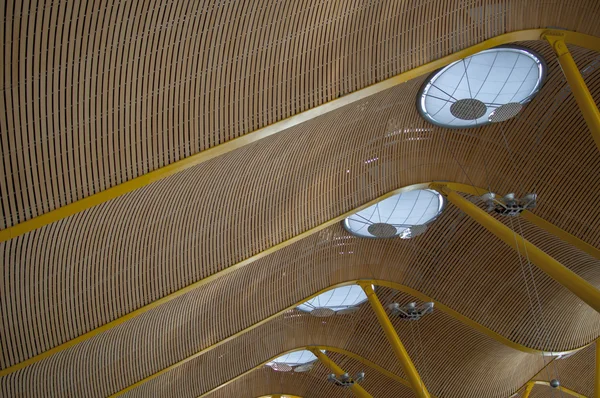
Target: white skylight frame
402 222
295 358
431 108
337 299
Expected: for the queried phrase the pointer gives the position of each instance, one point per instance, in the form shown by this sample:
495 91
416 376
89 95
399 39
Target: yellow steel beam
378 282
528 389
560 388
597 370
561 234
580 91
333 367
350 354
529 216
407 365
455 186
569 279
575 38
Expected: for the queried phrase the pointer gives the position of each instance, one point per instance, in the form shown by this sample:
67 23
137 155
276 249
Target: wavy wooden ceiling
503 368
265 381
96 94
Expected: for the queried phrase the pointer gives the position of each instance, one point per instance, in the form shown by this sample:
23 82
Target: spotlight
345 380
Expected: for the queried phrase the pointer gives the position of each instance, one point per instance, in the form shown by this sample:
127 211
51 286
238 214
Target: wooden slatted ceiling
440 346
168 334
79 273
265 381
95 94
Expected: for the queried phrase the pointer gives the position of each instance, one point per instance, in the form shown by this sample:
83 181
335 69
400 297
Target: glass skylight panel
490 86
338 299
404 215
295 358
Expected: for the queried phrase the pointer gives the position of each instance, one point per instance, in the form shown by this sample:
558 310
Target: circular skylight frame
352 289
532 54
441 206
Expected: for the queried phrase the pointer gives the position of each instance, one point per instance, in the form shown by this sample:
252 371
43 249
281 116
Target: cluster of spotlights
345 380
509 205
411 312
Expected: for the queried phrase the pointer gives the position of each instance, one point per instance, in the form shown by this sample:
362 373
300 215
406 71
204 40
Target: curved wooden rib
21 228
440 306
455 186
347 353
441 346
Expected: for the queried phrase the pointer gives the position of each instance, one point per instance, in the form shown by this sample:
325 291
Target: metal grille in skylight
404 215
340 299
293 360
490 86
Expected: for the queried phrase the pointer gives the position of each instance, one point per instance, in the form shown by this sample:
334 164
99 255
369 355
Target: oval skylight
404 215
490 86
293 359
335 300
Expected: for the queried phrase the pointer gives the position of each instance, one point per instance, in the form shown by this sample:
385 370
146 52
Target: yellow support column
407 366
356 389
569 279
528 390
597 381
580 91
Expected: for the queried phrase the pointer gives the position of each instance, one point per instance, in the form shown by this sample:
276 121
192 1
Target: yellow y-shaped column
407 366
569 279
356 389
580 91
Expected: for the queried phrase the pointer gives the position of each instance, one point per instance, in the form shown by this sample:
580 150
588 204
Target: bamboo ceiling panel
172 332
97 93
79 273
451 358
87 251
266 381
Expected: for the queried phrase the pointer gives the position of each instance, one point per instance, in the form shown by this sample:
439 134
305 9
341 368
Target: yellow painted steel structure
377 282
325 360
532 384
579 39
349 354
569 279
464 188
582 95
407 365
528 389
527 215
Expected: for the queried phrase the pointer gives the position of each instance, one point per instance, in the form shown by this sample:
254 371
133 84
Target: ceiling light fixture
345 380
411 312
509 205
488 87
